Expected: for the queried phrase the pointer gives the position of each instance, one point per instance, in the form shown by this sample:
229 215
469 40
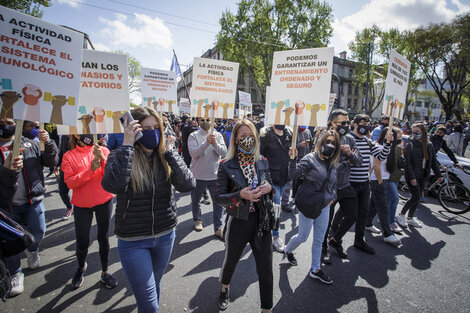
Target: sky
151 29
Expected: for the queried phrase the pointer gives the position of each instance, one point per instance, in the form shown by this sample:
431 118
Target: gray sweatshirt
205 157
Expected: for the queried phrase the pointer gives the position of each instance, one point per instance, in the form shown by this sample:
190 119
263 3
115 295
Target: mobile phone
125 121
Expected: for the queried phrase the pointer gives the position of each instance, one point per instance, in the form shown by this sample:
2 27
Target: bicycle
453 196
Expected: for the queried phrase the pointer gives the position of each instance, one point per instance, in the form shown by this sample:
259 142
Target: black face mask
363 130
342 130
280 127
6 131
327 149
87 139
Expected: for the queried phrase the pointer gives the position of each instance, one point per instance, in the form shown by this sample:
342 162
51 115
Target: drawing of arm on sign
314 109
9 98
225 107
32 95
287 115
100 114
57 101
86 120
215 108
299 110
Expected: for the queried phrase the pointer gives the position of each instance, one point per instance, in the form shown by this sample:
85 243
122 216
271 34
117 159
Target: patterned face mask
247 145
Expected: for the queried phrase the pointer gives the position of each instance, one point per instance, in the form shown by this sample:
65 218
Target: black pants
379 206
83 218
238 234
63 190
416 191
346 216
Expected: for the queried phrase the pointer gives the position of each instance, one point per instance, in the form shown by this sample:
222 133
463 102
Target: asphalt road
429 272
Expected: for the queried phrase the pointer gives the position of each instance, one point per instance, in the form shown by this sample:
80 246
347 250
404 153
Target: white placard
396 85
244 100
104 94
39 69
300 87
214 88
185 106
159 90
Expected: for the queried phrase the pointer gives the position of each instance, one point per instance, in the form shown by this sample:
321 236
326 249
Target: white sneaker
414 222
392 239
17 284
279 245
373 229
395 228
33 258
401 220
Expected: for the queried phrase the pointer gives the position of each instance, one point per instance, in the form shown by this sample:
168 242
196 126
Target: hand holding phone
132 129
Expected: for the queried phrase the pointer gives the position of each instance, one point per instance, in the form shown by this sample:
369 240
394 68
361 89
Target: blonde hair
335 157
233 148
140 172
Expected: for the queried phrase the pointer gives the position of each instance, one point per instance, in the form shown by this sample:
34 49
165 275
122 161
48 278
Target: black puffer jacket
276 150
153 211
414 161
230 181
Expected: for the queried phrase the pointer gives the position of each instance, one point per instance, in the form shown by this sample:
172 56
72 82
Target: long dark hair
391 164
424 138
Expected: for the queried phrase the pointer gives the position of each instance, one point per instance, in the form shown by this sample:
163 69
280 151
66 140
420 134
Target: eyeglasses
330 142
343 123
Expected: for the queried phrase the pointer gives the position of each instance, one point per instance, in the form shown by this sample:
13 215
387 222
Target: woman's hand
170 143
130 131
250 195
265 188
98 153
95 164
17 162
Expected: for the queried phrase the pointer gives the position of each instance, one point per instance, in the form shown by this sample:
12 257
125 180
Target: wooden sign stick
41 143
17 142
294 135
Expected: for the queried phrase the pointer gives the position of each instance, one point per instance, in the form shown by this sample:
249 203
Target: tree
443 55
380 44
133 68
261 27
31 7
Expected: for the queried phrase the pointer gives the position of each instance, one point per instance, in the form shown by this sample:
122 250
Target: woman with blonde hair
142 173
243 185
319 171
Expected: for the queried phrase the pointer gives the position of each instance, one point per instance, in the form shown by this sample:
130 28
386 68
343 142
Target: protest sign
185 106
396 86
300 86
159 90
331 103
39 69
244 100
104 94
213 88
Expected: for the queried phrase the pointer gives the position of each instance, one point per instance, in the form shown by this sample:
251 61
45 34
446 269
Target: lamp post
339 88
369 52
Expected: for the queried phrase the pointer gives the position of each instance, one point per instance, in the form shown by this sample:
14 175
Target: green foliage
133 67
442 52
261 27
31 7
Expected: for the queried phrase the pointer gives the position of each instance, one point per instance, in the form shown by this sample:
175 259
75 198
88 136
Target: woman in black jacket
242 181
420 158
142 173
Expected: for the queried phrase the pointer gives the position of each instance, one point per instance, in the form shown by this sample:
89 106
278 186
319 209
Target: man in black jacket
275 143
438 142
27 205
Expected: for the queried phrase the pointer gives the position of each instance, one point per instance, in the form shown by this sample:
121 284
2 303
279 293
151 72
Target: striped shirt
360 174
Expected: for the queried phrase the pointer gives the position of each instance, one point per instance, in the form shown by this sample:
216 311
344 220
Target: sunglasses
330 142
343 123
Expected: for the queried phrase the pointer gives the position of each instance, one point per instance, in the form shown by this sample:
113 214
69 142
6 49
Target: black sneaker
108 280
223 300
325 257
362 245
77 279
291 258
320 276
339 248
286 208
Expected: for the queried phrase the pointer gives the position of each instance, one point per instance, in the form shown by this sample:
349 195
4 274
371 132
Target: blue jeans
196 196
144 262
392 196
32 216
277 199
319 229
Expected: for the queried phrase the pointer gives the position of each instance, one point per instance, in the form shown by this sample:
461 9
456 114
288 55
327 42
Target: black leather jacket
414 161
152 211
230 181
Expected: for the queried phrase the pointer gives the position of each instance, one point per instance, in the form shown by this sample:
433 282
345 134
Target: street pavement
429 272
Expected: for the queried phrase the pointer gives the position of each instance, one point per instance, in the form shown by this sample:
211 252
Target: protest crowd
356 166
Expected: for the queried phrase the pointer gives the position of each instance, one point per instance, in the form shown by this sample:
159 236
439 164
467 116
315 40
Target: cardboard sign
300 87
244 100
39 69
104 94
159 90
185 106
396 86
214 88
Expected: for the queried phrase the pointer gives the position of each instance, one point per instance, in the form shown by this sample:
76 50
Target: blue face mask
150 138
